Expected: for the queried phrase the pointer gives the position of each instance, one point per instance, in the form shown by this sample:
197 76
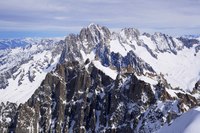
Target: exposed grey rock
78 97
188 42
8 112
73 99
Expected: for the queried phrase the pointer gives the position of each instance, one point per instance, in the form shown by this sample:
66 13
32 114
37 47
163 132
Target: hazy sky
25 18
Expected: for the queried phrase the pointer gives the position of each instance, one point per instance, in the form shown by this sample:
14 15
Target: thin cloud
170 16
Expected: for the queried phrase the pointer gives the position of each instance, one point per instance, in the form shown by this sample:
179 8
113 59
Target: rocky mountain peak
75 98
120 82
95 34
130 33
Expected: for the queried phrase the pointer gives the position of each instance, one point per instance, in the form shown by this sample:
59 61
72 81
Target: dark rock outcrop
78 97
74 98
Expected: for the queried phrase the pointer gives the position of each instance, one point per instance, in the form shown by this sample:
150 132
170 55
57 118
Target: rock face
12 59
101 84
95 41
8 113
74 98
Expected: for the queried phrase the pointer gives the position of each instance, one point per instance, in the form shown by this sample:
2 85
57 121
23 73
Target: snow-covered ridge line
22 69
186 123
106 70
127 50
154 74
21 42
169 56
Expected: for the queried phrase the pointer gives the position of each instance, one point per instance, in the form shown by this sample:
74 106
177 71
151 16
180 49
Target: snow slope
181 69
186 123
21 93
108 71
149 57
167 56
21 42
22 69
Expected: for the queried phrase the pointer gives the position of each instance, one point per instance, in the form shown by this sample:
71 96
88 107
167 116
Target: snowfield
108 71
181 70
169 66
186 123
179 65
27 67
21 93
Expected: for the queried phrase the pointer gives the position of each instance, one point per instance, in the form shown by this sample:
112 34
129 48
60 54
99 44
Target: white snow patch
21 93
147 40
116 47
171 92
144 98
108 71
147 79
181 70
187 123
90 56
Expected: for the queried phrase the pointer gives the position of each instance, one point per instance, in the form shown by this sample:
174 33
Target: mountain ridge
109 82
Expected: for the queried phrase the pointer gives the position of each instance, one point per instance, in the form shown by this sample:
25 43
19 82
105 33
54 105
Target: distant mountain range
21 42
99 81
192 36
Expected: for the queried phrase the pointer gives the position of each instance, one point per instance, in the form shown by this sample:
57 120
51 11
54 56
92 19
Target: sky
56 18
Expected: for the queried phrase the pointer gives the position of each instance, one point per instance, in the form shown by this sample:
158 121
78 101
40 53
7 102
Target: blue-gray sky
47 18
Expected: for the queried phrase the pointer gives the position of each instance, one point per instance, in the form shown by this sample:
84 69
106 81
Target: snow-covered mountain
98 81
23 68
187 123
191 36
156 54
21 42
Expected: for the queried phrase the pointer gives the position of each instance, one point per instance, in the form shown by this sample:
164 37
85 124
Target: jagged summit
95 33
98 81
128 50
114 50
92 24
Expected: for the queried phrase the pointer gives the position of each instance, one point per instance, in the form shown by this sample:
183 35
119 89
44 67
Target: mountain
192 36
25 67
187 123
21 42
98 81
12 43
148 54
